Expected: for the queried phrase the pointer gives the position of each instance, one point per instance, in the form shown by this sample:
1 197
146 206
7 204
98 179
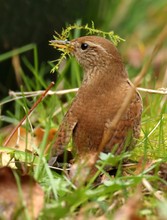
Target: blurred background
27 22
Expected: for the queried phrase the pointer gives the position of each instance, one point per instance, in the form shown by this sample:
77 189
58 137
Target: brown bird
104 88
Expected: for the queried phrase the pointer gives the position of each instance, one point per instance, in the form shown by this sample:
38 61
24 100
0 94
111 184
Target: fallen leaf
25 141
83 169
39 134
21 140
15 201
129 211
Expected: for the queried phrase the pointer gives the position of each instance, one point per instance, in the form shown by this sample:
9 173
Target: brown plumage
103 90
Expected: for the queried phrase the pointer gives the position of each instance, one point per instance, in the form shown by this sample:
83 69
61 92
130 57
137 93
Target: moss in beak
63 45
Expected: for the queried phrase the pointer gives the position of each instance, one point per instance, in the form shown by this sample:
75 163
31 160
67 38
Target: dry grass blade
35 93
161 91
151 190
129 211
19 95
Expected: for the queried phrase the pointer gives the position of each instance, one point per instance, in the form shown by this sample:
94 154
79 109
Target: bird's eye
84 46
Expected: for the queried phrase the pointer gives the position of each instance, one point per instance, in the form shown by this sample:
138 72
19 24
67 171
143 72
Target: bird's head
92 52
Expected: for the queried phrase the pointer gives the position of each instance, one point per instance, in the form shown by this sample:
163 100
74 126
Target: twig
30 111
161 91
19 95
60 92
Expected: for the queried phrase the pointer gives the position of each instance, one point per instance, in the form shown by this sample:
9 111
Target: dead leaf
83 169
21 140
25 141
129 211
14 202
39 134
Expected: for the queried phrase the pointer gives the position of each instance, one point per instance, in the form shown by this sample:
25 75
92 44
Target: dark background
28 21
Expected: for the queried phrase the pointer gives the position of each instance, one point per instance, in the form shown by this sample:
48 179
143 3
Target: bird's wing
127 128
64 135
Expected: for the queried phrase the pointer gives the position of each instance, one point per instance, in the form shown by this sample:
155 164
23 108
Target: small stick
161 91
39 92
30 111
18 95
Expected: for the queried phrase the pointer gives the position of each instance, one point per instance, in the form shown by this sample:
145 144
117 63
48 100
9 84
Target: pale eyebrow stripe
96 45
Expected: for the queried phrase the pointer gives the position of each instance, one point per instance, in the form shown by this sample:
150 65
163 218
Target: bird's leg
83 168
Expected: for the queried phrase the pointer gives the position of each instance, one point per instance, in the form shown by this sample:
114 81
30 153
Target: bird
104 88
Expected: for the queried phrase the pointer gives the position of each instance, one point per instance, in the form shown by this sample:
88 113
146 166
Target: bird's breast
92 111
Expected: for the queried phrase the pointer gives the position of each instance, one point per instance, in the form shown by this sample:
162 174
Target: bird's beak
62 44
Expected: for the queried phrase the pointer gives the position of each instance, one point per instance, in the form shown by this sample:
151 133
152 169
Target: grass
63 200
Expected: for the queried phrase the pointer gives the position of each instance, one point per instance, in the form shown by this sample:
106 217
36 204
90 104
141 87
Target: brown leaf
39 133
129 211
14 202
24 141
21 140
